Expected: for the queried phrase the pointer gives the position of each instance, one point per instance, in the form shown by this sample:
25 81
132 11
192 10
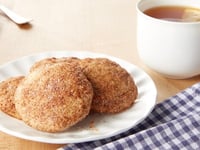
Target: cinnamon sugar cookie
114 88
49 61
55 97
7 91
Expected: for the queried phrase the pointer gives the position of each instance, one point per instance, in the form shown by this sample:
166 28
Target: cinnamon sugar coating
7 92
114 88
55 97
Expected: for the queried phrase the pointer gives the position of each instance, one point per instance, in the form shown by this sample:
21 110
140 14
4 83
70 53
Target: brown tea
175 13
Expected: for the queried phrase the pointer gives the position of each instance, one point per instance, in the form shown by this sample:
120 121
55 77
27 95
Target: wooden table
93 25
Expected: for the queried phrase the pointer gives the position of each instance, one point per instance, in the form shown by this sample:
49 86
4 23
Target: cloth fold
173 124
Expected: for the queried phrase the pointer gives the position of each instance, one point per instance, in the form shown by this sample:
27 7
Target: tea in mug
174 13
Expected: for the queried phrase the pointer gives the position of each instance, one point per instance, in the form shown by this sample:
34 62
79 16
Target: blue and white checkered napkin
173 124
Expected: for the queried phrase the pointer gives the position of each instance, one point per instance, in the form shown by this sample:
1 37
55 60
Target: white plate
95 126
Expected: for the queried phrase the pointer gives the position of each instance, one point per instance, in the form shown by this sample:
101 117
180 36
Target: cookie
114 88
7 92
55 97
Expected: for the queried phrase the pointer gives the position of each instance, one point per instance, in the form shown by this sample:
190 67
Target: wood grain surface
103 26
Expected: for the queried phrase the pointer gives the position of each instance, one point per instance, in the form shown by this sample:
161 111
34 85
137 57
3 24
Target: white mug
168 47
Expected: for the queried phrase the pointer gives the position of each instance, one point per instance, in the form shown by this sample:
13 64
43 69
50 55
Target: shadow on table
26 26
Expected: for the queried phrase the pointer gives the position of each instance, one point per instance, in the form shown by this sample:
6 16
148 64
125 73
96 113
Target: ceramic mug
168 47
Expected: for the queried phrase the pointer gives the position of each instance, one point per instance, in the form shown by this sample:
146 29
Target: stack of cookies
57 93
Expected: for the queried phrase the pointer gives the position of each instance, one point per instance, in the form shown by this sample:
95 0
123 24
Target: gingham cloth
173 124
